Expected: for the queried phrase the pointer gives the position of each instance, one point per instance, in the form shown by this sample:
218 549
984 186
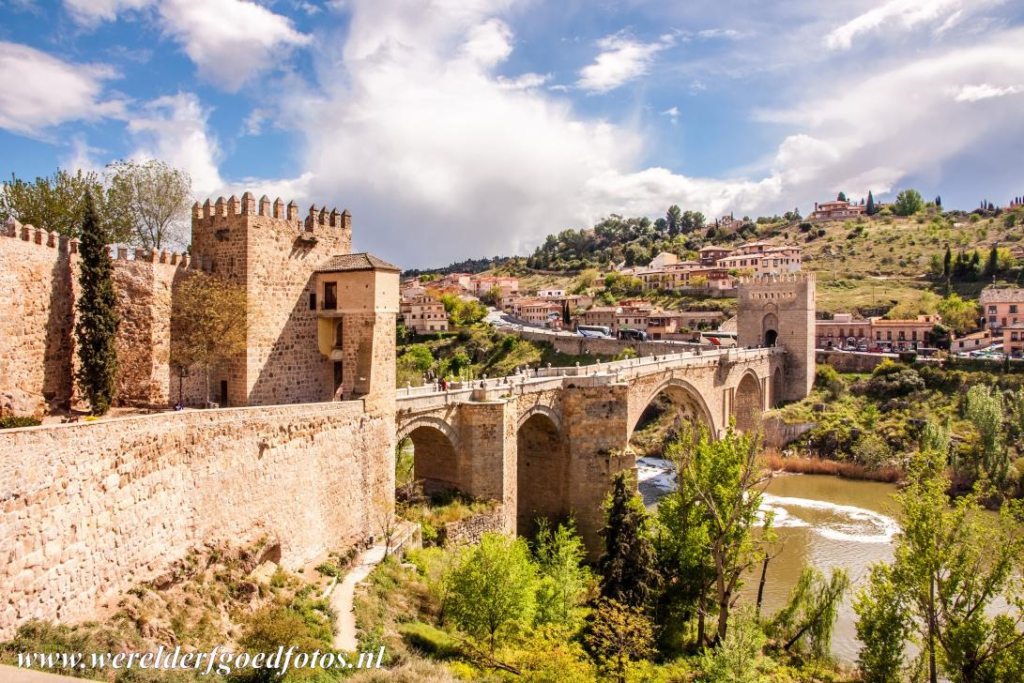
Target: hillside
866 264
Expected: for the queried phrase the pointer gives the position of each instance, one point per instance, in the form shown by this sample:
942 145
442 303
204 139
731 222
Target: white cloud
229 41
621 60
719 33
40 91
93 12
984 91
904 14
672 113
82 156
525 81
253 123
173 128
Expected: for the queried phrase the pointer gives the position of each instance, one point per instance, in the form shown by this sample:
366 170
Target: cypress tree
992 265
947 261
627 567
96 327
871 210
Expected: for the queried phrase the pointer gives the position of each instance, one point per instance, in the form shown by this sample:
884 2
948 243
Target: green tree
674 219
627 566
564 580
983 408
841 197
957 314
418 357
950 564
810 614
723 481
619 635
150 202
992 262
908 202
871 208
740 658
493 589
947 261
55 203
97 316
210 315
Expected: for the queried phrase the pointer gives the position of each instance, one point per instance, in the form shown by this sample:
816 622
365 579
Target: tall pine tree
628 572
871 210
96 327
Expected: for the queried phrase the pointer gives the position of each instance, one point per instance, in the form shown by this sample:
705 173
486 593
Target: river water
821 520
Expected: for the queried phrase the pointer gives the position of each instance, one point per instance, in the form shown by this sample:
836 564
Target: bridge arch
435 454
544 410
690 406
542 470
749 402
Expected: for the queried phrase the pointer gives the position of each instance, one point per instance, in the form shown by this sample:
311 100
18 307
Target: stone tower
778 310
275 255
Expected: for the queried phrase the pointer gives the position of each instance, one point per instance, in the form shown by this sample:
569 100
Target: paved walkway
13 674
343 594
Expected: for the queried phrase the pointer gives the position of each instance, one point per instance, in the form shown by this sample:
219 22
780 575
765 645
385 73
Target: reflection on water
824 521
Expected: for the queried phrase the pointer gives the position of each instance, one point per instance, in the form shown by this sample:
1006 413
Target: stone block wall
38 290
468 531
88 510
36 320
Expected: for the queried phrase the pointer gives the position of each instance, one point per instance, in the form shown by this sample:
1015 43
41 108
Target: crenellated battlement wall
38 290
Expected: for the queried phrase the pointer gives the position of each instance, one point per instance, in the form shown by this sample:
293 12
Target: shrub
892 380
15 421
827 378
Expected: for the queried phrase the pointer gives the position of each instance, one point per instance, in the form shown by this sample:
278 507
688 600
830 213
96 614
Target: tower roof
342 263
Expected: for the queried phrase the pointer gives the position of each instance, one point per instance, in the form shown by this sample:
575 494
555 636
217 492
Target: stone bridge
547 443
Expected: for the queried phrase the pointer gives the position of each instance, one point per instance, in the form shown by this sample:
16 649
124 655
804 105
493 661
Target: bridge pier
487 441
597 433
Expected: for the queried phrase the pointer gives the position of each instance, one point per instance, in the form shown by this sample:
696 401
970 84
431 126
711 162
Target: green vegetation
951 564
97 316
223 598
876 422
474 352
15 421
509 610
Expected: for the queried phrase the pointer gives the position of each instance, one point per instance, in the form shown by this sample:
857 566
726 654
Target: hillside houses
714 272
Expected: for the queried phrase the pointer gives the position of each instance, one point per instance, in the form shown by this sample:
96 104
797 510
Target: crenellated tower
778 310
275 253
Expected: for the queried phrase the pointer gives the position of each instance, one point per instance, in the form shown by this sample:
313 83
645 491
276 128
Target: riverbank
777 462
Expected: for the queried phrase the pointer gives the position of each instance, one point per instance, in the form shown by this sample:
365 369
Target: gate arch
749 402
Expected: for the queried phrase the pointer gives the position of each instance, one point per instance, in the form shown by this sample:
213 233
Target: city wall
38 290
88 510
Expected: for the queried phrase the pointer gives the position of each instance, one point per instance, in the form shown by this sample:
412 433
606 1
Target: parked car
862 348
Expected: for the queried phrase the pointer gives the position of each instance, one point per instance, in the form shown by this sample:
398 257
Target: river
821 520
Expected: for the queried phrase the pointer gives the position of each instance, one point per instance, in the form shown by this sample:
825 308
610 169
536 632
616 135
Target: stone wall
469 530
38 289
779 434
87 510
36 321
584 346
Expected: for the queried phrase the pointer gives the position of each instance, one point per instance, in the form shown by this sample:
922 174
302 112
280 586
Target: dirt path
343 593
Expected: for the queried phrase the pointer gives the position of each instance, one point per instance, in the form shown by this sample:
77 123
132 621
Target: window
339 334
312 301
913 335
1013 308
331 296
991 309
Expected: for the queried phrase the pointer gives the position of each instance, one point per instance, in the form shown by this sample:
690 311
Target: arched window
339 336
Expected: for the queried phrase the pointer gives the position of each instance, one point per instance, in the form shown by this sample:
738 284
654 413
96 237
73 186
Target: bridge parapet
545 379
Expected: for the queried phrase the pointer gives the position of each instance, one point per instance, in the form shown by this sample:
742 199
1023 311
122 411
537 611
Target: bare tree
210 323
149 201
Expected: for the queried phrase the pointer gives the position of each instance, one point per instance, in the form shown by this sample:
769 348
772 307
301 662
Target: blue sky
458 128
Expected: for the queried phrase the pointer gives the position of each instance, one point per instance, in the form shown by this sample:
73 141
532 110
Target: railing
612 372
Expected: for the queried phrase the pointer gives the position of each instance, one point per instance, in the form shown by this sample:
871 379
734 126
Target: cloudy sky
467 128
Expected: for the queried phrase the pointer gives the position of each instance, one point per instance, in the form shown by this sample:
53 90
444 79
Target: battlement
781 287
775 280
248 206
66 245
